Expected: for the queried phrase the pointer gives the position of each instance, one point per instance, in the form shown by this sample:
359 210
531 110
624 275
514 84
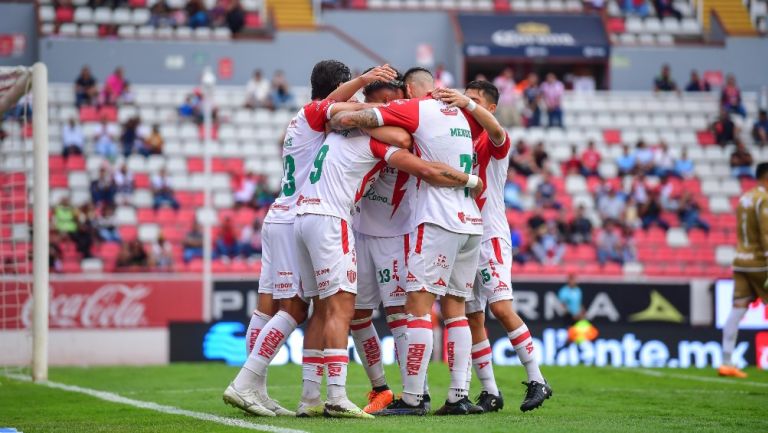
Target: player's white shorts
381 271
442 262
493 281
325 253
279 272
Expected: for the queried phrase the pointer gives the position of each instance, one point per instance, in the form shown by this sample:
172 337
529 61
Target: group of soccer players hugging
396 201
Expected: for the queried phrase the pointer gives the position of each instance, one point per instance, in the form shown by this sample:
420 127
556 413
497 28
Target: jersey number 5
318 171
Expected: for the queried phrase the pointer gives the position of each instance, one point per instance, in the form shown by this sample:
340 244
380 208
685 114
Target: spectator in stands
257 91
609 245
665 82
540 157
162 254
570 296
590 160
546 193
536 223
72 139
580 227
668 196
153 144
643 158
683 165
250 239
512 192
192 107
516 241
548 248
666 8
636 7
245 190
197 16
86 91
626 162
86 230
563 225
628 245
55 254
443 77
760 129
640 189
193 243
263 197
132 256
106 224
522 159
663 161
552 91
235 16
724 129
124 184
741 161
697 84
573 165
163 191
130 138
103 188
65 218
105 140
225 246
506 109
690 213
281 92
161 15
532 97
631 217
610 205
650 213
730 98
114 86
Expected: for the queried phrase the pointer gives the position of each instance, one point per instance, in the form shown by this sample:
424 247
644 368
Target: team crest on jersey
441 261
351 276
288 142
462 217
449 111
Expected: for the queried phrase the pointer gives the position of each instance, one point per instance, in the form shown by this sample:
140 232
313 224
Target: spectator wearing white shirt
257 91
663 161
611 205
106 145
506 109
552 91
163 191
124 183
245 190
72 139
643 158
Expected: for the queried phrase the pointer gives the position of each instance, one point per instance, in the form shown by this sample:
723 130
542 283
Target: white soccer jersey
491 164
303 137
343 169
441 134
386 208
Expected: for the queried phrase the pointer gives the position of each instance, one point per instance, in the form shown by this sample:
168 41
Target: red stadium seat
137 3
75 162
705 138
141 180
89 114
615 25
58 180
612 136
501 6
253 20
65 14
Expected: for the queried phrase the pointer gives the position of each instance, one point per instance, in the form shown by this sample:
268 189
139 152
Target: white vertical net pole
208 81
40 285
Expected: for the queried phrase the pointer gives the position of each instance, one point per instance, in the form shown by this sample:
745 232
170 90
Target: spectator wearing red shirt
113 87
590 160
226 242
730 98
573 165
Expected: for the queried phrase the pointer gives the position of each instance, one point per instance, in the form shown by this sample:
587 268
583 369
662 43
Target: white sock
731 333
271 339
398 324
483 364
523 344
258 320
459 347
311 374
419 337
336 361
368 347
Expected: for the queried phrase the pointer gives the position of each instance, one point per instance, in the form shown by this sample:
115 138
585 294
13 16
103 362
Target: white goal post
19 280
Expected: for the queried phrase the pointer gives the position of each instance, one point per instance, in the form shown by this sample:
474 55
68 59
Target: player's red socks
419 339
368 348
459 346
312 367
482 356
336 361
258 320
523 345
398 324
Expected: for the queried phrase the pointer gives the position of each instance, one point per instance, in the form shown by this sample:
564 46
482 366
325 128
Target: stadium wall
17 24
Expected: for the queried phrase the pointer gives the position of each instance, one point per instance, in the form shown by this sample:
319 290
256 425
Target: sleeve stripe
379 118
328 112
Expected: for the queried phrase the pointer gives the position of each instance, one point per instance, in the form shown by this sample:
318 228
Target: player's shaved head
327 75
761 172
419 82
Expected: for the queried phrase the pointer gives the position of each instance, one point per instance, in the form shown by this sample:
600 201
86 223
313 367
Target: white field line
116 398
721 380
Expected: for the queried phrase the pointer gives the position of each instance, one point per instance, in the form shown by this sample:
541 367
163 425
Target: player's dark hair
327 75
416 70
761 171
375 86
487 90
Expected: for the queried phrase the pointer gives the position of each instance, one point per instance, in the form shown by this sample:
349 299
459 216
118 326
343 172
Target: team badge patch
352 276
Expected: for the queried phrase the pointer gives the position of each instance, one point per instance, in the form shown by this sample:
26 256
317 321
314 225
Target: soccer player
750 269
344 167
443 257
279 279
493 281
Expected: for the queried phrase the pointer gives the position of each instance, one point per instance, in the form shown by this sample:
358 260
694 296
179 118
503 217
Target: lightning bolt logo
399 192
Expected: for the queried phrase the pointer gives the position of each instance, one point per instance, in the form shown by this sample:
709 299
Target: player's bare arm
354 119
434 173
484 117
348 89
392 135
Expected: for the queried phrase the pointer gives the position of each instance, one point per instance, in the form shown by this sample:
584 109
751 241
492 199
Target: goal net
24 220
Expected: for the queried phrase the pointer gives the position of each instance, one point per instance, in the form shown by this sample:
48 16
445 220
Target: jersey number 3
289 186
318 171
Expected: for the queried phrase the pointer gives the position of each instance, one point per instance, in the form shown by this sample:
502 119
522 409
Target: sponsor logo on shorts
441 261
395 273
501 288
468 285
475 221
284 273
410 278
324 271
440 282
398 292
323 284
307 200
414 358
283 286
279 207
351 276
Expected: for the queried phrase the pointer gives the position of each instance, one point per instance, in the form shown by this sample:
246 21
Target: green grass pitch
585 400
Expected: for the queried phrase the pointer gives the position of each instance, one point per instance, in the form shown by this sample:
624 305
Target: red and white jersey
303 137
491 164
343 169
386 208
440 134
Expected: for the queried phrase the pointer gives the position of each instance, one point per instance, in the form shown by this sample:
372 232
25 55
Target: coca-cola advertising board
110 304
